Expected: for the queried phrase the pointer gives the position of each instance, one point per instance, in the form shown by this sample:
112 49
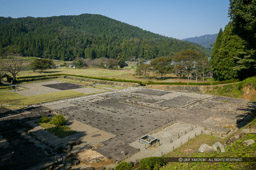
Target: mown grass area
124 78
236 149
13 100
59 131
127 74
94 72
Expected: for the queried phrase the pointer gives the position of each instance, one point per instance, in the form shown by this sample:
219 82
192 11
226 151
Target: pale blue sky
173 18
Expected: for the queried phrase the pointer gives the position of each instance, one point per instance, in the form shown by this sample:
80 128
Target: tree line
234 52
188 64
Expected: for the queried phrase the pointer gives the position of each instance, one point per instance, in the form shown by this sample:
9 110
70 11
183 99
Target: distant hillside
86 35
204 40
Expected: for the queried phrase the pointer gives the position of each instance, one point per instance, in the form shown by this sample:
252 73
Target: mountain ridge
204 40
87 35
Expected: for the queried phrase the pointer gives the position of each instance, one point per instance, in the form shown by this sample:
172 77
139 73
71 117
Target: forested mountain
204 40
86 36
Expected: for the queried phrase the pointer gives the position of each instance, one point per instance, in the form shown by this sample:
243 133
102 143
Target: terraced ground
111 120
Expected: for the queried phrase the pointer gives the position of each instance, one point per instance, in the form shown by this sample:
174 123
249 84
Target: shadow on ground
17 150
250 114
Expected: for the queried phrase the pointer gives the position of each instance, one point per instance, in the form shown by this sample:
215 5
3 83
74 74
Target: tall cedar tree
224 59
215 53
243 17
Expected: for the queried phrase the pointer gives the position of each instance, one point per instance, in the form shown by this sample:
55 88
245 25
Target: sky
173 18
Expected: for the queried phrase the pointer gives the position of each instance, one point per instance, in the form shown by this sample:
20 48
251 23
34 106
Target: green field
127 74
13 100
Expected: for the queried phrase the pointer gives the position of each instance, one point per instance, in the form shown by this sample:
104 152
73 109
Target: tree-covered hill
86 35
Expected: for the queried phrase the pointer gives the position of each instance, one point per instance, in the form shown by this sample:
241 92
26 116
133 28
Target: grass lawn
127 74
59 131
13 100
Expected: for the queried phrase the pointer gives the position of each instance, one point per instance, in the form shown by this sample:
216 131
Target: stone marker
218 145
205 148
249 142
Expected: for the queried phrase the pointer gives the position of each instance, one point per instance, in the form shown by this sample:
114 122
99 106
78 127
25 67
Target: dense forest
85 36
234 53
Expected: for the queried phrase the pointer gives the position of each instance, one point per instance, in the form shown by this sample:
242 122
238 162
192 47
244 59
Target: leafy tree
41 64
121 62
186 62
112 64
143 69
162 65
13 65
79 63
201 68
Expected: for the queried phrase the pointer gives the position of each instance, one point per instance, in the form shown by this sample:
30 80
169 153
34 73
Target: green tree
162 65
215 51
226 56
79 63
186 62
243 18
112 64
143 69
121 62
41 64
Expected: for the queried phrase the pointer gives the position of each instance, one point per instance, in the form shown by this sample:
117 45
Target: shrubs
44 119
124 166
55 125
58 120
151 163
